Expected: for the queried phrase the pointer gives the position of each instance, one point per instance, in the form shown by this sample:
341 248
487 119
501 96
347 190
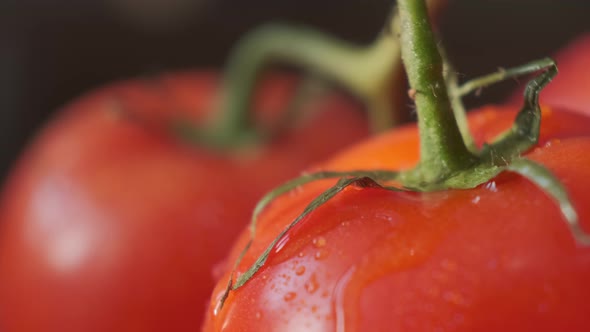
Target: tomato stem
365 71
442 150
368 72
372 73
445 161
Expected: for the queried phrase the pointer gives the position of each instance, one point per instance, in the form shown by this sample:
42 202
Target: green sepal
377 175
544 179
343 183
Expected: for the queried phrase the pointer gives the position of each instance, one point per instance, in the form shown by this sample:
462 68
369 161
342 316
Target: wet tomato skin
497 257
109 223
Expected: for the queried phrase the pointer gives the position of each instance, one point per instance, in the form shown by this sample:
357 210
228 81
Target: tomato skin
495 258
107 223
570 88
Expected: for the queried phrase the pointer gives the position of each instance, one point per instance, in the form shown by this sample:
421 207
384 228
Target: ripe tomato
499 257
570 88
108 223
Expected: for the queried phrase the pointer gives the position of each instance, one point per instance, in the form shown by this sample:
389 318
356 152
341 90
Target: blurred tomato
109 223
570 89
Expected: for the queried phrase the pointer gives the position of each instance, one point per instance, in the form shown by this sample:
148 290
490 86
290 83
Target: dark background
53 50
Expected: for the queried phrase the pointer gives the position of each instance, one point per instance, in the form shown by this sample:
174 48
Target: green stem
442 150
501 75
371 73
368 72
364 71
452 81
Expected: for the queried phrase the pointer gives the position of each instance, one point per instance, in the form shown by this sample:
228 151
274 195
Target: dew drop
476 199
300 270
282 242
312 284
321 254
319 242
552 142
491 186
290 296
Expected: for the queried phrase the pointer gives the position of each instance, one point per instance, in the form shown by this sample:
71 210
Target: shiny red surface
499 257
108 223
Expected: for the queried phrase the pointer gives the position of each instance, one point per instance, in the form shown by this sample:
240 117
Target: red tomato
109 225
499 257
570 89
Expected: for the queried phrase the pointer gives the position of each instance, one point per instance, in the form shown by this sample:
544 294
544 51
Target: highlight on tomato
458 223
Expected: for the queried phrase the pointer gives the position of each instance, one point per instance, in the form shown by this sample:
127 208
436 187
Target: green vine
369 72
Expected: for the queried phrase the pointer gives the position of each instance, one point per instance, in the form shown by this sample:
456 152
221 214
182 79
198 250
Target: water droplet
552 142
219 303
475 199
321 254
258 315
290 296
282 242
301 254
312 284
319 242
491 186
300 270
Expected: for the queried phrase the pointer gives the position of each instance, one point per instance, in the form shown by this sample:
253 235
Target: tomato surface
110 223
570 88
499 257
